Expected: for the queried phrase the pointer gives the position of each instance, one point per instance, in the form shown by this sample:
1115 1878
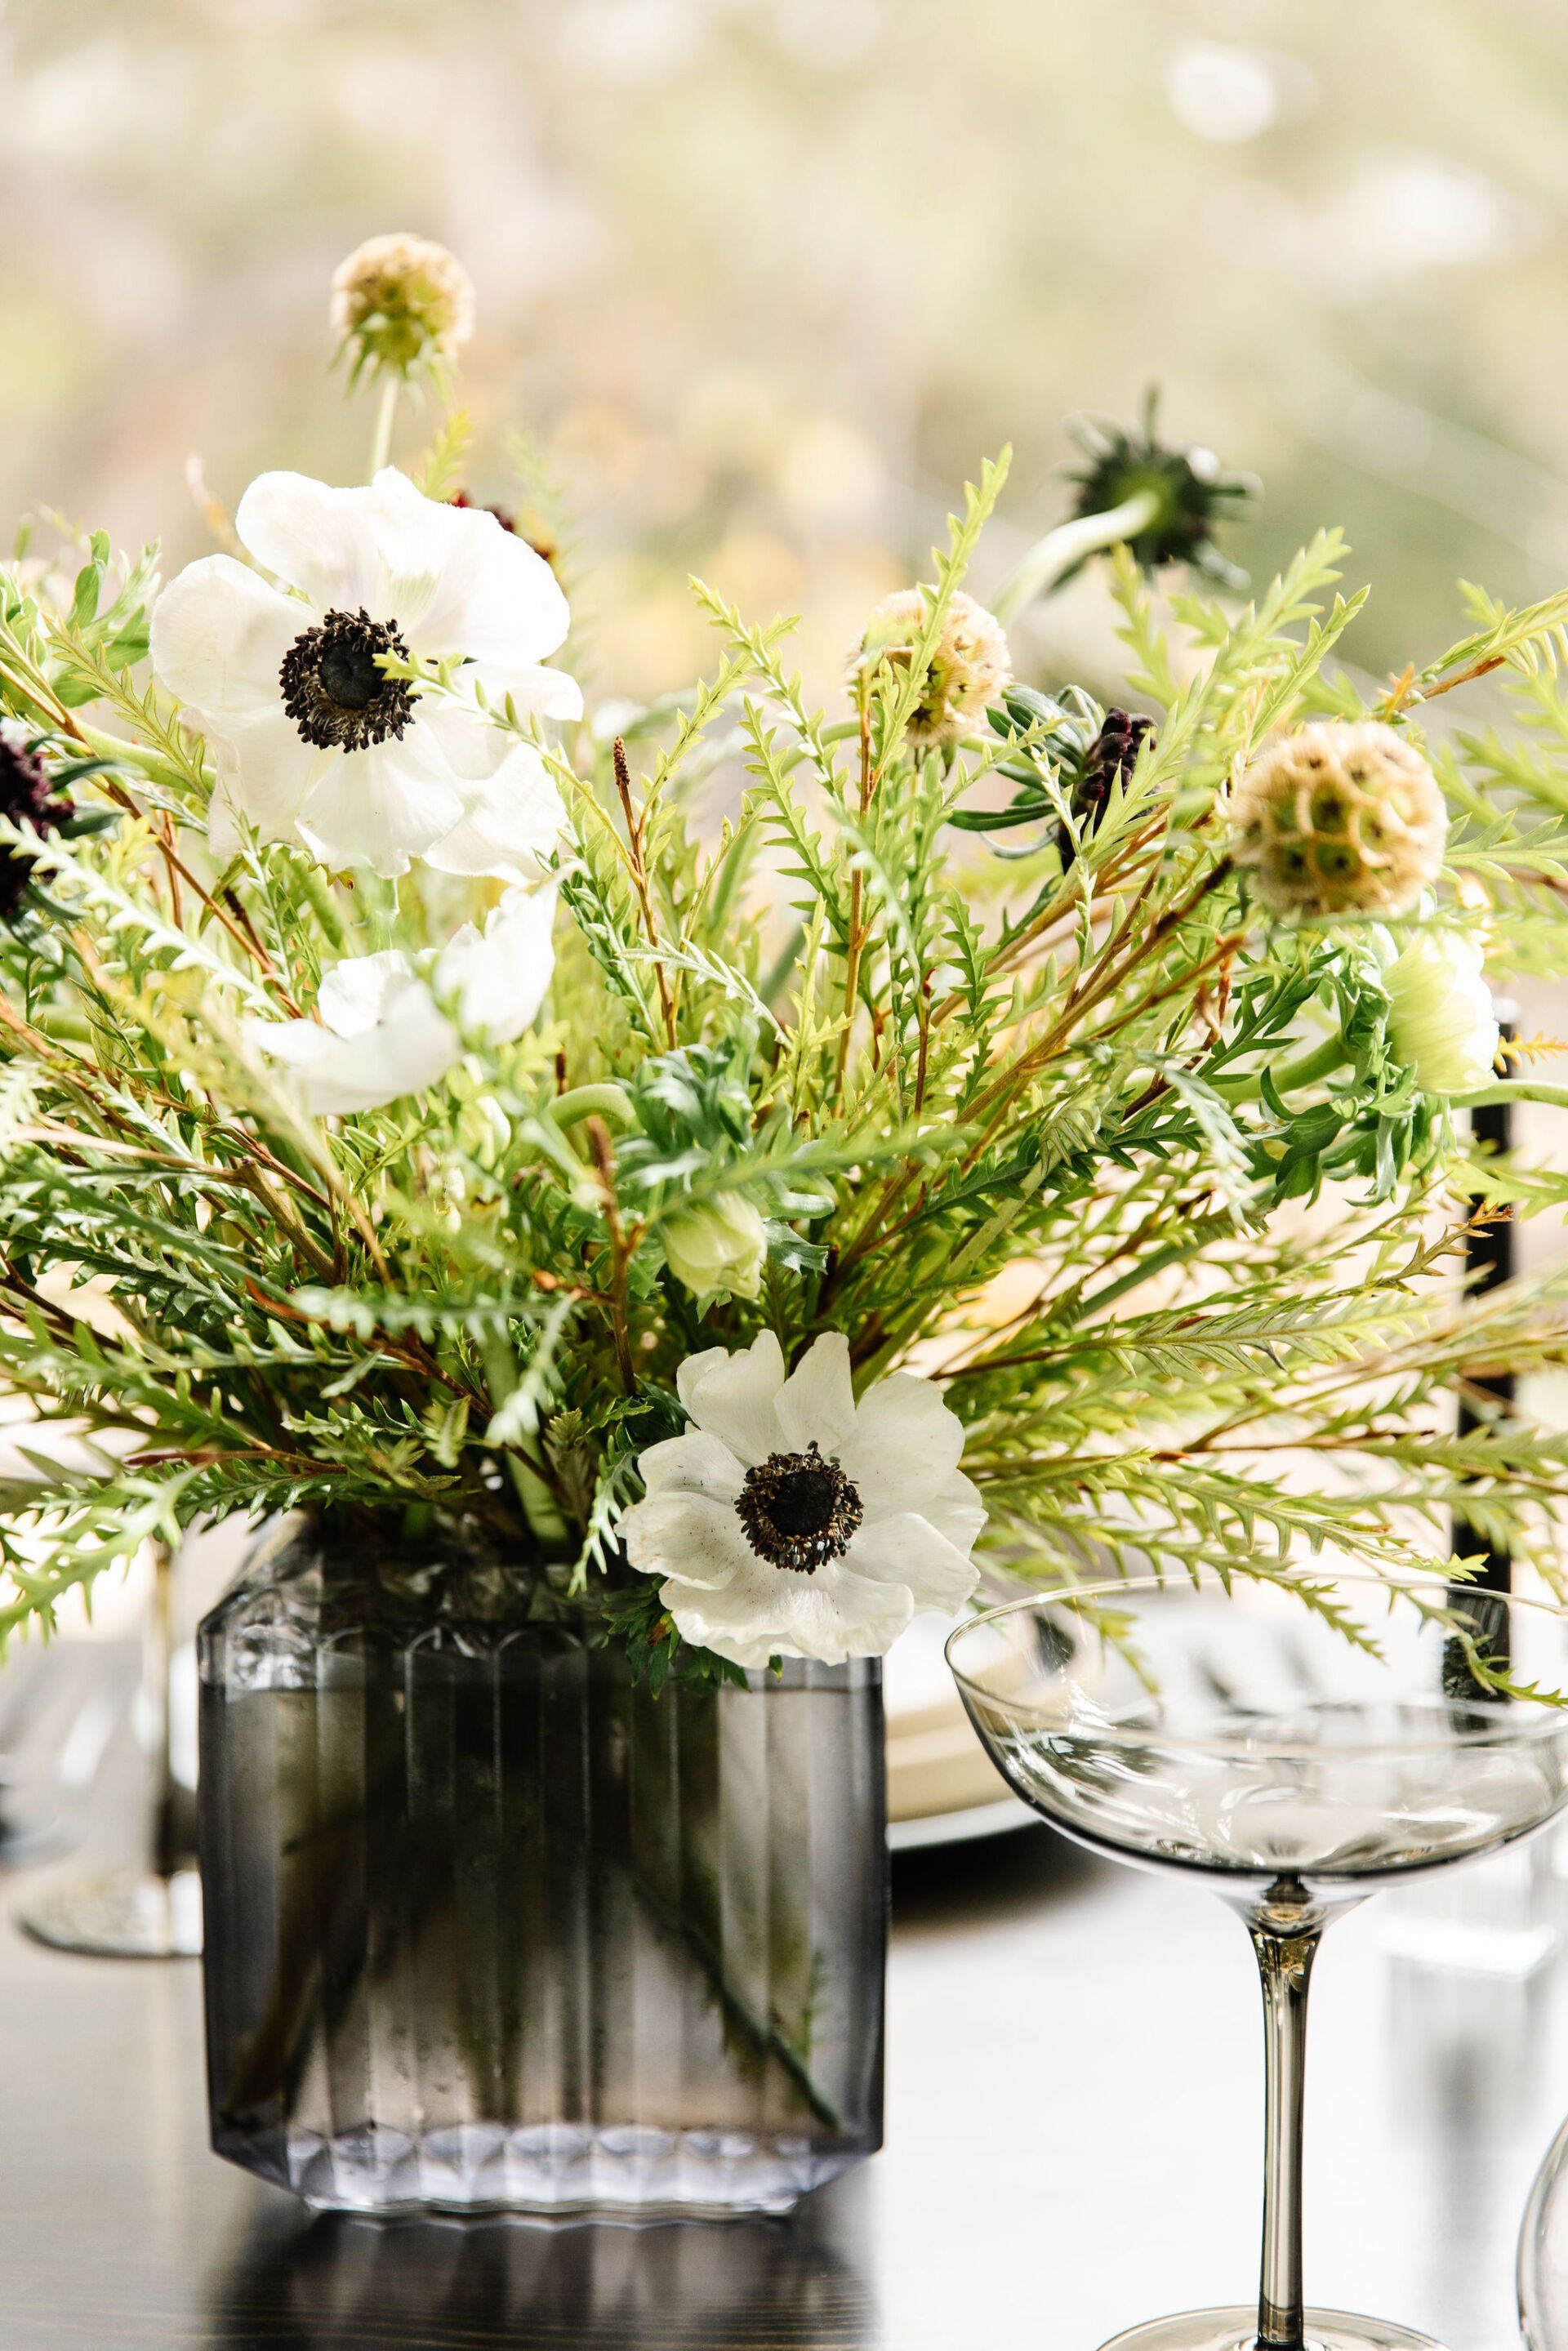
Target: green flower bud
1442 1020
717 1247
1187 493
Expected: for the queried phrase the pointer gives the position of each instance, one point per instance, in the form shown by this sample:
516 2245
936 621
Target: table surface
1073 2131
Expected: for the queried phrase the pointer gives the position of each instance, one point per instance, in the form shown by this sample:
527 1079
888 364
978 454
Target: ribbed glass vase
487 1928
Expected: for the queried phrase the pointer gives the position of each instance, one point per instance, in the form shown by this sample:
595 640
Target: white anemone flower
793 1521
385 1028
312 741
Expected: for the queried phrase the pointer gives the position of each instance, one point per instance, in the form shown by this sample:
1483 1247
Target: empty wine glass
1246 1739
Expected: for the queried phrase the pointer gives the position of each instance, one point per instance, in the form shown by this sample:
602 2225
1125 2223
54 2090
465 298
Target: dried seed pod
1340 818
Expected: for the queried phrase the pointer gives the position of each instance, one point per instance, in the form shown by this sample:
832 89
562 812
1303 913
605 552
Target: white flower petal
732 1396
512 822
955 1510
753 1656
761 1612
267 771
502 975
409 1049
537 692
705 1536
693 1463
224 839
464 583
381 808
745 1612
219 635
321 540
454 735
361 989
908 1551
905 1445
817 1402
870 1614
695 1369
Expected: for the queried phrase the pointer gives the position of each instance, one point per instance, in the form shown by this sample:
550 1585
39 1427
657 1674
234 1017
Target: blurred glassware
942 1786
149 1908
1247 1739
1544 2253
1471 1962
60 1705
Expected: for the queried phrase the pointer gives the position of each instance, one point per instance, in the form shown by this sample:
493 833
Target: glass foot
1236 2330
120 1914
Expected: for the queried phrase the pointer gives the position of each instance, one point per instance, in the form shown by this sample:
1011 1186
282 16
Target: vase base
631 2172
1236 2330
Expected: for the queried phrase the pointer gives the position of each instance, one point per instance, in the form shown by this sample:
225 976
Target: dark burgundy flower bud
27 796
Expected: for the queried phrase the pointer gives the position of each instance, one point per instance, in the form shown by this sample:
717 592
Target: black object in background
1489 1256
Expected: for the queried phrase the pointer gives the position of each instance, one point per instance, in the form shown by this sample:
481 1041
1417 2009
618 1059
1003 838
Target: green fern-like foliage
1140 1176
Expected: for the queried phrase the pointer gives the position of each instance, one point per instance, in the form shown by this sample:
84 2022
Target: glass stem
1285 1963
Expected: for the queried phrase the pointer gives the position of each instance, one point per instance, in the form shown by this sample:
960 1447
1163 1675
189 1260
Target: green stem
386 416
1304 1070
1051 557
122 753
1515 1090
592 1101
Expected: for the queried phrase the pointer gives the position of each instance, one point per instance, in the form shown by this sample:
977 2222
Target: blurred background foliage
768 277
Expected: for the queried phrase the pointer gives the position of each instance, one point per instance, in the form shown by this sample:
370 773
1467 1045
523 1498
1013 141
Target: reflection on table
335 2282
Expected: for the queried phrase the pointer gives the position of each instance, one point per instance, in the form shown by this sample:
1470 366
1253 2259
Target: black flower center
335 689
798 1511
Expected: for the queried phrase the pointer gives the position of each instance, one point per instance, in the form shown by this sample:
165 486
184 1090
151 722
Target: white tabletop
1073 2135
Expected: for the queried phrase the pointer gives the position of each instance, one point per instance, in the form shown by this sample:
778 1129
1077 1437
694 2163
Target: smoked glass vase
490 1928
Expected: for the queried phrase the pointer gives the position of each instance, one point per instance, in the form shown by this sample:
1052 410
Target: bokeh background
767 277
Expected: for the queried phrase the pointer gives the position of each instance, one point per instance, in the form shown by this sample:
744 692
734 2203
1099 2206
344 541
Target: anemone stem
386 417
1054 555
1321 1063
592 1101
1515 1090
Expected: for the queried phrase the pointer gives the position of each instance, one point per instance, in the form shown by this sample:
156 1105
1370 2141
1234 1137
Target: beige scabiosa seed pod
401 305
966 672
1340 818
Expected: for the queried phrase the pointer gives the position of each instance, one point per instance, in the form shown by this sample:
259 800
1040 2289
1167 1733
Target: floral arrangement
422 1106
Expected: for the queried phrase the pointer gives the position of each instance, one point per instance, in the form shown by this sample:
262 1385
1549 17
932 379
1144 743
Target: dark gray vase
489 1929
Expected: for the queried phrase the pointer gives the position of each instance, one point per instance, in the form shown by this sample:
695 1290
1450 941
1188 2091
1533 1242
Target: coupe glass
1242 1739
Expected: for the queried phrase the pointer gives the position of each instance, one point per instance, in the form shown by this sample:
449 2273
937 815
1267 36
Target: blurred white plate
942 1786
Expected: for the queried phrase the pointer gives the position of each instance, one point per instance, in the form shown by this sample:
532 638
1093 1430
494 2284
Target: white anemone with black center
791 1520
312 741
